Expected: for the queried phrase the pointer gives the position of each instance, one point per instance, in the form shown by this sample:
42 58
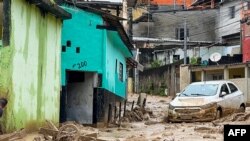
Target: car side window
224 88
232 87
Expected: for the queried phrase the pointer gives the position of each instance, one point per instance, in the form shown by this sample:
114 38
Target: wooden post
109 113
132 105
115 113
120 111
144 103
125 103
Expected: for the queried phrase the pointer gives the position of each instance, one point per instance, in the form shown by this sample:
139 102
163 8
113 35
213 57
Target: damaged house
30 62
95 56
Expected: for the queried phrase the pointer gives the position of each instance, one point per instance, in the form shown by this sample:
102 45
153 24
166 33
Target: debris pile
13 136
137 114
69 131
210 130
236 117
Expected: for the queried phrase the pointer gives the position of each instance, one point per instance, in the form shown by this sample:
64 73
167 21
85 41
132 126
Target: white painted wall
224 24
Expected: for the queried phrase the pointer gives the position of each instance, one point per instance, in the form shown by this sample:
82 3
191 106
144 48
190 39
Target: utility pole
185 41
174 5
148 15
130 24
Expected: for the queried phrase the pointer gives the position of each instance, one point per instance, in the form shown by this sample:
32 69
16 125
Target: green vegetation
156 63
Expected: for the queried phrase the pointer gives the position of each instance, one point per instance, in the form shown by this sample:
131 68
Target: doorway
79 96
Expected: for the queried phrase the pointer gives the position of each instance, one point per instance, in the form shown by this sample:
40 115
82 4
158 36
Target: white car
206 101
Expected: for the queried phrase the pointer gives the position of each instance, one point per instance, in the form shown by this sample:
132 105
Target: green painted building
30 63
95 55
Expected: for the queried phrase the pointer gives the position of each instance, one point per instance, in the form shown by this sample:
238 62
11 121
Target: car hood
190 101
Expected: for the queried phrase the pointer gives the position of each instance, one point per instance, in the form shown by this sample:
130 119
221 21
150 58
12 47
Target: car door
235 96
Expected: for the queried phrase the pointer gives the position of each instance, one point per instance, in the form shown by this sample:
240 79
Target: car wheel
242 109
218 114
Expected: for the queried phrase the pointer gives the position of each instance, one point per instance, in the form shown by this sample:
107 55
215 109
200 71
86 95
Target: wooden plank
51 125
49 132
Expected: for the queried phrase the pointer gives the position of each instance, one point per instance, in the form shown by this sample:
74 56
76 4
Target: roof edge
52 8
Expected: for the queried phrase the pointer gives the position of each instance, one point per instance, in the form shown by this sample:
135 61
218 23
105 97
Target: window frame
120 74
179 33
232 12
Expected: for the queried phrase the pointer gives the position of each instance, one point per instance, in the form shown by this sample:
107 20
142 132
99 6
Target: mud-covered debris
171 138
207 130
166 134
232 118
209 136
162 101
137 114
150 122
13 136
69 131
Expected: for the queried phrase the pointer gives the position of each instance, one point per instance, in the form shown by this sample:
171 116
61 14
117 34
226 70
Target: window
200 90
77 49
1 22
232 87
224 89
179 33
4 22
232 12
121 72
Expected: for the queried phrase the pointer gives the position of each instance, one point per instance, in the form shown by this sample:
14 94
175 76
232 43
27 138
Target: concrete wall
243 85
30 68
200 24
80 100
156 80
224 24
185 77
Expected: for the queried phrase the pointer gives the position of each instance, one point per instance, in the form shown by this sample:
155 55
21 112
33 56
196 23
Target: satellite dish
215 57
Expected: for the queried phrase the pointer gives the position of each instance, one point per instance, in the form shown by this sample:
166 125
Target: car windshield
200 90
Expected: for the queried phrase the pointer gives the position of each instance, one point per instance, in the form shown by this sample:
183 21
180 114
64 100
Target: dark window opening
121 72
63 48
3 103
179 33
232 12
5 22
75 76
116 66
77 49
68 43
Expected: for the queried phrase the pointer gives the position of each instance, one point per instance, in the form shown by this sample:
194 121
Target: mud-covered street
155 128
140 125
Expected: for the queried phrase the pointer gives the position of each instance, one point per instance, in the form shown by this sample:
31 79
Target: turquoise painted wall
81 31
99 48
30 68
116 52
